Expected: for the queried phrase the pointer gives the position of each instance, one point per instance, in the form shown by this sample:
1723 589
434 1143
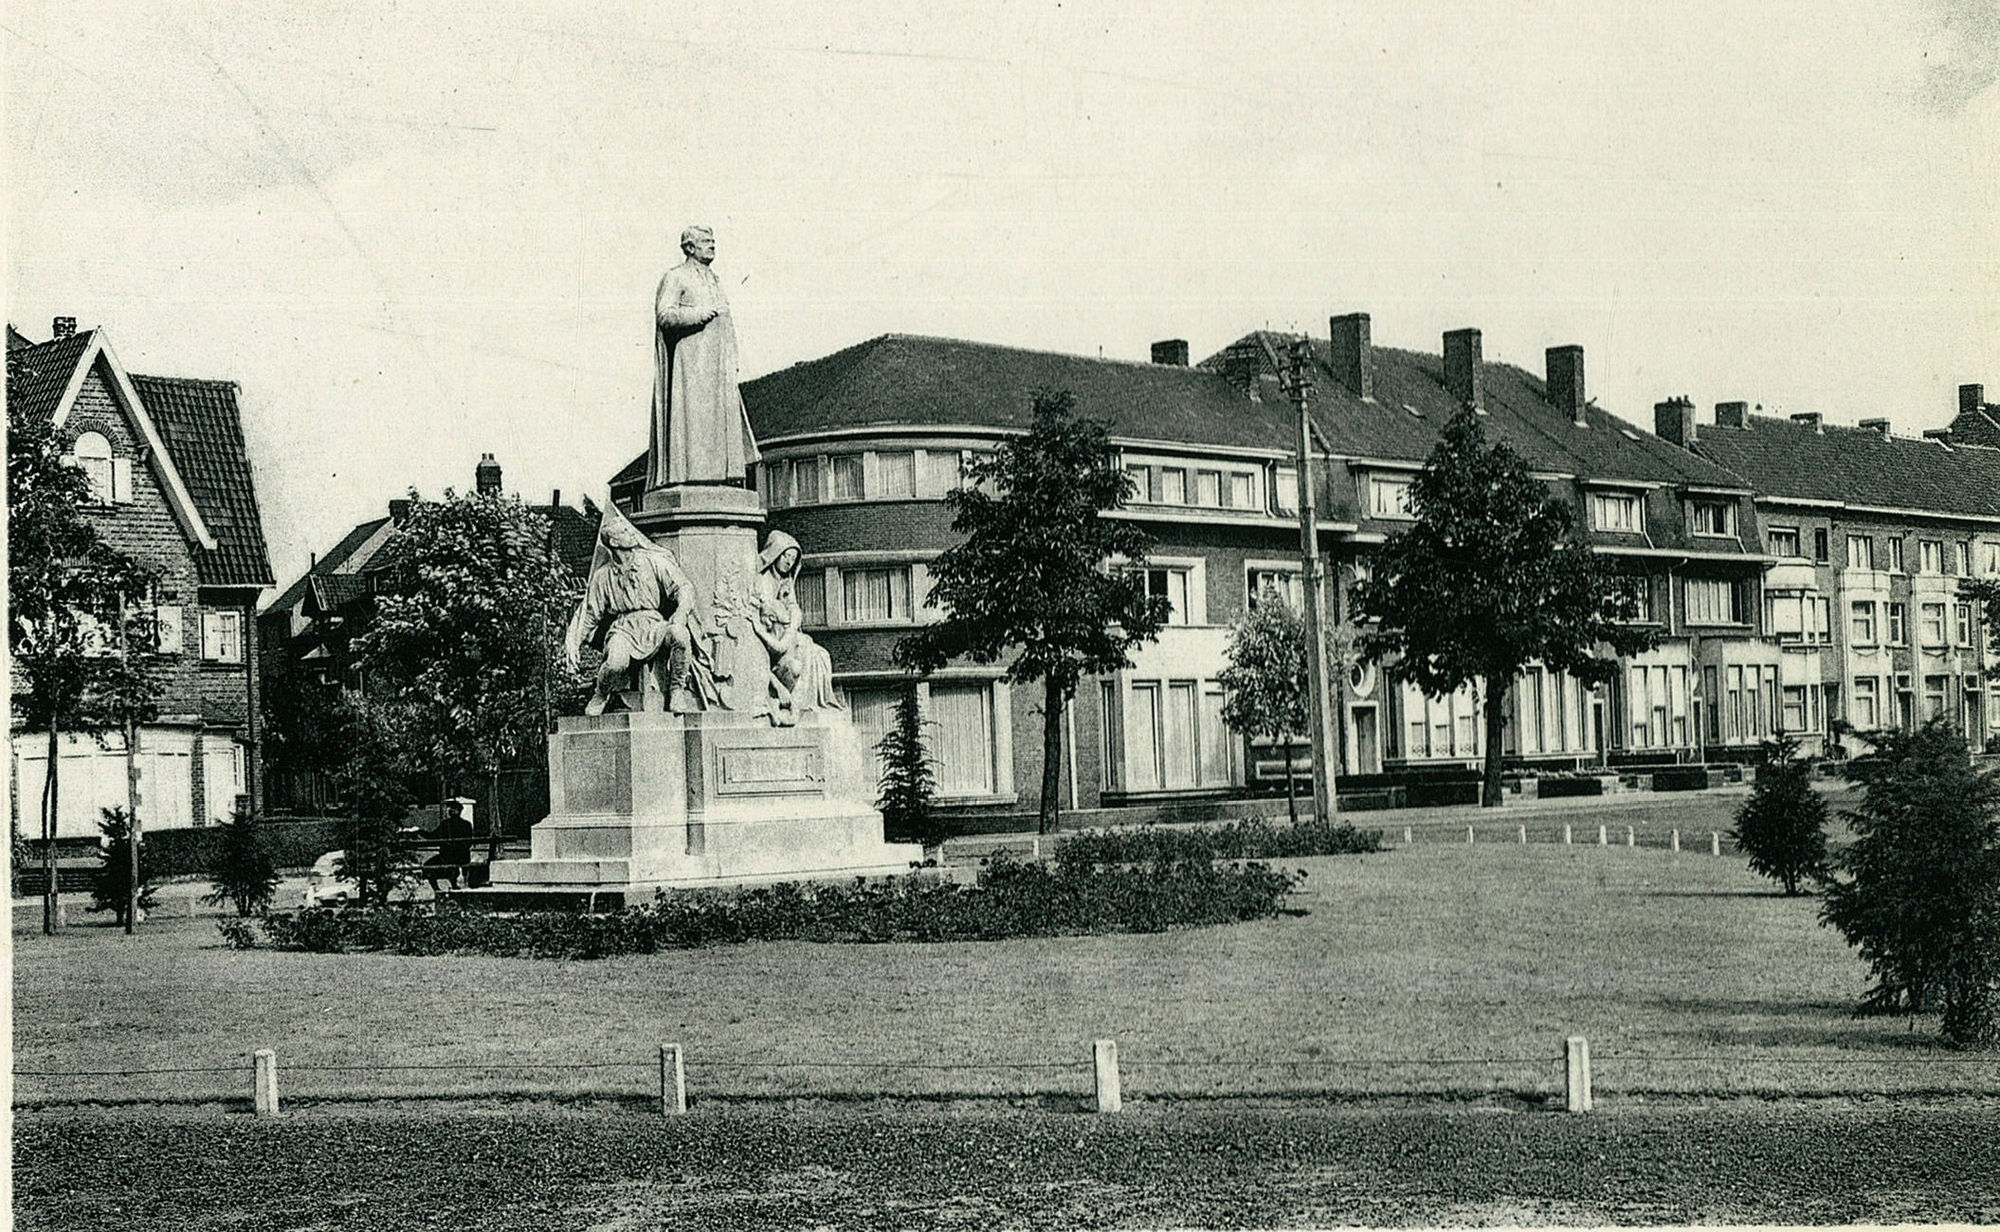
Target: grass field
1688 974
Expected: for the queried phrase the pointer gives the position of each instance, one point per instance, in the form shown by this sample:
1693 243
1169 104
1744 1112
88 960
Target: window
1894 544
1713 601
1142 745
1961 555
1615 511
1208 489
943 471
961 717
168 635
1712 517
1389 498
1794 713
847 482
1962 614
1173 485
1899 624
897 473
1863 709
873 596
1930 555
1936 689
1931 628
93 457
1797 616
222 637
1906 702
1142 483
812 597
1637 591
1783 540
1861 623
1242 490
1820 551
1860 552
1111 750
1992 554
1172 584
1287 586
805 481
1288 489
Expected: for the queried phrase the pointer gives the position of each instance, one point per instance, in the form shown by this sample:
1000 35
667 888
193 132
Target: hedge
1010 900
294 844
1255 839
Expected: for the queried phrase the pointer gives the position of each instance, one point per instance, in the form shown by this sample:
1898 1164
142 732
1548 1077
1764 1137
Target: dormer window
1710 517
1389 497
1616 511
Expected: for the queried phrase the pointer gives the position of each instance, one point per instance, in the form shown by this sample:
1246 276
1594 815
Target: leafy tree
376 794
1034 573
1269 696
1782 826
463 657
73 605
1491 578
308 726
908 786
241 869
1918 891
111 881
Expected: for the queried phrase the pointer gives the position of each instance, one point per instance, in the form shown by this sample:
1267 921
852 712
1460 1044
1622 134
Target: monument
714 749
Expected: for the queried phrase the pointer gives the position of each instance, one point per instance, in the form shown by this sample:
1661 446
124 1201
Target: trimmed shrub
111 883
1782 826
1011 900
242 872
1253 839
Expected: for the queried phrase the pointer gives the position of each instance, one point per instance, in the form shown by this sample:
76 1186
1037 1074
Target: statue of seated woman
801 671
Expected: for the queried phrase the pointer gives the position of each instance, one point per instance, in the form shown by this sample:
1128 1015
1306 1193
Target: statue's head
780 554
623 536
699 242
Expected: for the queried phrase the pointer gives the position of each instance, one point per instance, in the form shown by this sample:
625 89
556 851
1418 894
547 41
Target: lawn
1484 956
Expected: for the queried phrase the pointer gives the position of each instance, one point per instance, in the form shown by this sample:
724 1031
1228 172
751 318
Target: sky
415 233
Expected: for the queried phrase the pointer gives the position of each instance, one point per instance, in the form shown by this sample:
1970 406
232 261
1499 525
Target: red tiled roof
203 429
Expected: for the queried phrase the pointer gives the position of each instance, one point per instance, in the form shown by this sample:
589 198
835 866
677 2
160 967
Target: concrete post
265 1064
1109 1098
1524 836
1603 837
673 1081
1674 838
1714 843
1568 836
1576 1051
1468 836
1631 838
1408 838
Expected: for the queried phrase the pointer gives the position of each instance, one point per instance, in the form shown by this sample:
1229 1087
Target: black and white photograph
1036 614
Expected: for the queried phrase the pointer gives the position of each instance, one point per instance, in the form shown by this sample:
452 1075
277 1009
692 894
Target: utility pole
1298 383
131 781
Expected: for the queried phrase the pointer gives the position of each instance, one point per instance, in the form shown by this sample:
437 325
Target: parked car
324 884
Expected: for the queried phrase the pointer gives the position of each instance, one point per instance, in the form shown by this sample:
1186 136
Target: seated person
455 833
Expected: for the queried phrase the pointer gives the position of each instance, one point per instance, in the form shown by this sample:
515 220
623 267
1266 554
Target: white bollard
1674 837
1407 837
1714 843
1524 836
1109 1098
1631 839
673 1081
1603 837
1468 836
265 1068
1568 836
1576 1051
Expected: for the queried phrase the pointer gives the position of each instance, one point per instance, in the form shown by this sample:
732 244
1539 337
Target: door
1367 751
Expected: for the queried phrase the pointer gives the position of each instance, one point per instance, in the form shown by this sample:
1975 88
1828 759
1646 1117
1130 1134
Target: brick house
860 446
175 490
1870 534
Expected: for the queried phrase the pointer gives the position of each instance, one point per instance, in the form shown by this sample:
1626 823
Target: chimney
1564 366
1971 398
1810 419
1732 415
1461 368
65 327
1879 426
555 498
486 476
1353 354
1242 364
1673 421
1172 351
1941 435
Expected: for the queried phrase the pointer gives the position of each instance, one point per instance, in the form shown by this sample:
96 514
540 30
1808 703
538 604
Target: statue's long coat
701 433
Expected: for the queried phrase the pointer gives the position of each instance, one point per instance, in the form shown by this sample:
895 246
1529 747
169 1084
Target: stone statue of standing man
701 433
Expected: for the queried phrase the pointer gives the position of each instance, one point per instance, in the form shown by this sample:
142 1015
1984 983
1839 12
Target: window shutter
121 481
211 635
171 638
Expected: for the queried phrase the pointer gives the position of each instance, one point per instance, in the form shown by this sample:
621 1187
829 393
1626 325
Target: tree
73 604
307 730
463 658
1035 573
908 784
376 794
1782 826
1490 579
241 869
1918 891
1268 694
112 882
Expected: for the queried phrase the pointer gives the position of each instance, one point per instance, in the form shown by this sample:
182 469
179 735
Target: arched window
93 455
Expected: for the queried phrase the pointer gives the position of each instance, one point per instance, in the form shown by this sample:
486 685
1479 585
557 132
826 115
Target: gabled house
174 489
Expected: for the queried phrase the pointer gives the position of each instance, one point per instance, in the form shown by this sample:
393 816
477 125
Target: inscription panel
597 773
763 770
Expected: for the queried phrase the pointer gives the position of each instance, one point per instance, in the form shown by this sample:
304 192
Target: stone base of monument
645 801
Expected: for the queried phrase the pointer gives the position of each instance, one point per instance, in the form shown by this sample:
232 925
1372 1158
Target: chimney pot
486 476
1353 353
1461 368
1673 421
1809 418
1564 378
65 327
1173 351
1880 426
1971 398
1732 414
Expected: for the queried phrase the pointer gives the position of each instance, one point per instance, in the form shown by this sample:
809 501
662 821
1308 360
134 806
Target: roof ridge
188 380
1147 364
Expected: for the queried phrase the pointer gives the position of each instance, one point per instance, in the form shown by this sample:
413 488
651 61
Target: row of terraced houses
1802 575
